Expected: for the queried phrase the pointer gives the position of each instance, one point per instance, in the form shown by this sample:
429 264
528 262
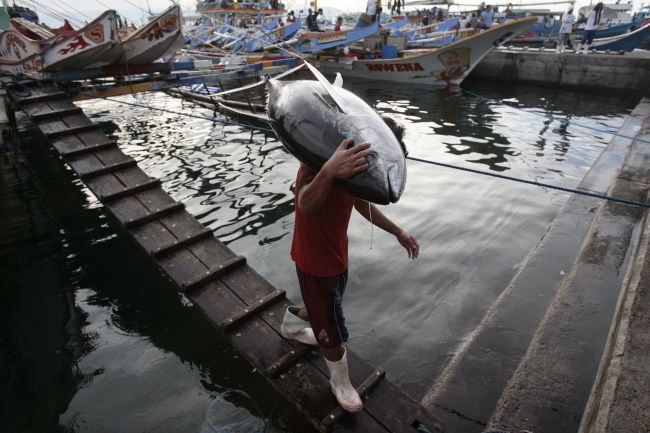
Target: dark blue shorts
323 297
588 36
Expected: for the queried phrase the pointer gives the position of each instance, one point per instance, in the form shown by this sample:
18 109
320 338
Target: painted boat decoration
155 39
316 42
625 42
441 68
93 46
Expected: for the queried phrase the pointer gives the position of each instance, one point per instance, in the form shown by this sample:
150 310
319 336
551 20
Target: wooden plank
252 309
179 243
130 190
58 129
106 169
22 102
214 272
82 150
287 360
154 215
364 389
45 114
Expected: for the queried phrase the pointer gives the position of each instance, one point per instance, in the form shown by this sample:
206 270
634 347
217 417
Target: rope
196 116
532 182
582 125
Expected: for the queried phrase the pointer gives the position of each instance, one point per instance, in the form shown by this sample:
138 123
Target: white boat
442 67
93 46
152 41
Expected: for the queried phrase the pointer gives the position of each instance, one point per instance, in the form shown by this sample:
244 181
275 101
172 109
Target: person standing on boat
486 17
311 21
320 252
320 20
593 19
339 23
291 17
568 20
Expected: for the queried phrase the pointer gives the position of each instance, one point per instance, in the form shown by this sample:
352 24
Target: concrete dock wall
629 72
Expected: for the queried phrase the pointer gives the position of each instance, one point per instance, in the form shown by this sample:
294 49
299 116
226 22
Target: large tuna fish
311 118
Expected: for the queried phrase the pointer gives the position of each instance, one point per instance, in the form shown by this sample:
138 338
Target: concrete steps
500 371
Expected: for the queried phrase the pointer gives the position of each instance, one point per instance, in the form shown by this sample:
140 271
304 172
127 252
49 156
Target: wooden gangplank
238 301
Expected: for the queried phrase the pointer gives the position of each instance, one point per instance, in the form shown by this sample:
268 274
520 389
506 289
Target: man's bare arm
373 214
343 164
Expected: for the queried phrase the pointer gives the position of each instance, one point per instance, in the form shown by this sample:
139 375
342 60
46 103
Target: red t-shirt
320 239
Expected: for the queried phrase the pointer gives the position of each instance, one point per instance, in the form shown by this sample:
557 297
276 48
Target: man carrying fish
320 251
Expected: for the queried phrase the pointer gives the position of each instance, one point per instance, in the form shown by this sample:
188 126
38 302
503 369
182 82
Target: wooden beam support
71 131
108 169
152 216
181 243
88 149
130 190
41 98
214 273
328 422
288 359
252 309
57 113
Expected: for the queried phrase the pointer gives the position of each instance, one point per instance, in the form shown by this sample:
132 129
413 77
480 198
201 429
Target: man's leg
319 295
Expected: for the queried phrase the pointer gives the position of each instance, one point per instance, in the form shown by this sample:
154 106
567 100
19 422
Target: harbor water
94 338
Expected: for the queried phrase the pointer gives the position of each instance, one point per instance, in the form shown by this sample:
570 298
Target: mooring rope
546 116
532 182
165 110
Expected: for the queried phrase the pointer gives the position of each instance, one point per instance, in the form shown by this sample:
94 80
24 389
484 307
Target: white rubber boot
579 49
345 393
295 328
587 48
558 49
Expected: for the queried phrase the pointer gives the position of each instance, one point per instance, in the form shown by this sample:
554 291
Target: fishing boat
625 42
267 38
437 40
320 41
395 23
95 45
155 39
442 68
427 31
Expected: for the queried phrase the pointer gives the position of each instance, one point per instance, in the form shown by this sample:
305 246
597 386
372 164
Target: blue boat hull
627 42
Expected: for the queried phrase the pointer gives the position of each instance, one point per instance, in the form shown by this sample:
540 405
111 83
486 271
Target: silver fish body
310 125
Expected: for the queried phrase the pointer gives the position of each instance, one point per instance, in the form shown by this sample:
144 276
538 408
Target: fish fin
326 84
338 81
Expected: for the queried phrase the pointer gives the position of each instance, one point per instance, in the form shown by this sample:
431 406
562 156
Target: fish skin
311 127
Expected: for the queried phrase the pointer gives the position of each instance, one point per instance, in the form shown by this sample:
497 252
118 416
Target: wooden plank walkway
230 293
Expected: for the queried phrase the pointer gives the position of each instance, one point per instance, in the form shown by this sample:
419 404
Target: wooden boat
270 37
437 40
428 30
155 39
625 42
320 41
395 23
95 45
442 67
31 29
